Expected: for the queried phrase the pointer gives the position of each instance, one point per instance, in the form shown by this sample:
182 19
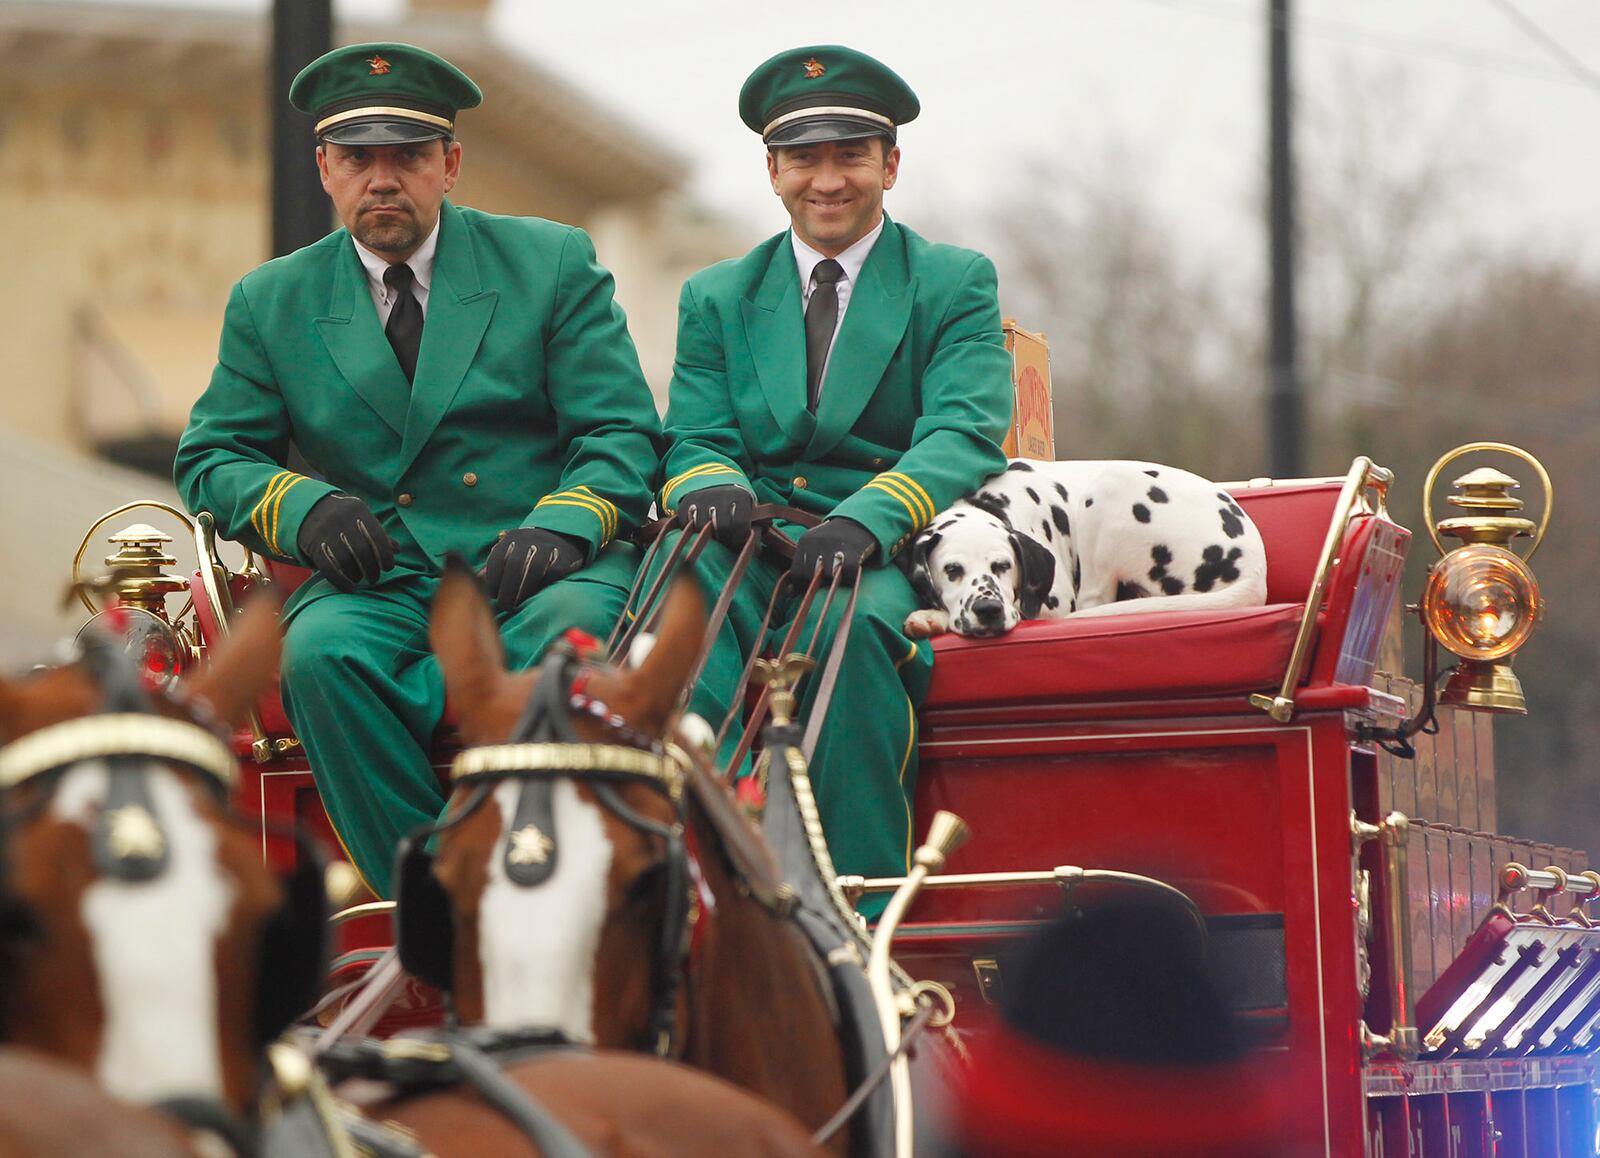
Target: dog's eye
953 572
1001 567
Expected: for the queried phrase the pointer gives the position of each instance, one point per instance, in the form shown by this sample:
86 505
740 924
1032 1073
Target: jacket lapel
874 322
774 326
459 310
353 338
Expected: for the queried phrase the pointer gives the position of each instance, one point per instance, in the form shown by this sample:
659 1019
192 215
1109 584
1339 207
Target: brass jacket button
800 481
470 478
404 499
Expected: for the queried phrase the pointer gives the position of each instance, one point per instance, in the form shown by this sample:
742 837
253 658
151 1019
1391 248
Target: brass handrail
1402 1039
1364 475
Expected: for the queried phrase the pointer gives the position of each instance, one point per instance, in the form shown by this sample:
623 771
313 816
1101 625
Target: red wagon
1423 985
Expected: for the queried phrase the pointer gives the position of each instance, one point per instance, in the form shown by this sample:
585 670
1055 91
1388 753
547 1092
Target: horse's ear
242 668
649 693
464 636
9 703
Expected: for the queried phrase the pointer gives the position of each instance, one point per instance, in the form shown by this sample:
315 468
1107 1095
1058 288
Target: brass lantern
1481 599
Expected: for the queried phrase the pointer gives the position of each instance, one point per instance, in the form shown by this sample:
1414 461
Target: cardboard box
1032 430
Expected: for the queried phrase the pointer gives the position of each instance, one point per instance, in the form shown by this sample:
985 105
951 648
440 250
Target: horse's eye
953 572
1001 567
647 884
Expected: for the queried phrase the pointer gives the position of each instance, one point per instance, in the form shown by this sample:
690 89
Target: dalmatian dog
1045 540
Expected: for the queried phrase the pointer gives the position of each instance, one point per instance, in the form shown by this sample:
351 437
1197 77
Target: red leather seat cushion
1115 657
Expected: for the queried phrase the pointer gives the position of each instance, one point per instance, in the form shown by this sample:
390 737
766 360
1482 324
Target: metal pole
1286 422
302 30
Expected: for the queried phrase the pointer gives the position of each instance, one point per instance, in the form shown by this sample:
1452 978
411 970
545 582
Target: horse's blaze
537 945
154 945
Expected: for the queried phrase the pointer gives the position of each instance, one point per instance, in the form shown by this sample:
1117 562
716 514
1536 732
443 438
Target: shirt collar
851 259
421 262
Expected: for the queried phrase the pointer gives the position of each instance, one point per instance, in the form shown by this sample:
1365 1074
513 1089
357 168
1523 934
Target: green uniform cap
382 94
825 93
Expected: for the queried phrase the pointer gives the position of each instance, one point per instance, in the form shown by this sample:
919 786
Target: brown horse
159 953
50 1109
623 900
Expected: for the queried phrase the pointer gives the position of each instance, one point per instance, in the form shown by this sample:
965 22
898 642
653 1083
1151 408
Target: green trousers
865 765
365 694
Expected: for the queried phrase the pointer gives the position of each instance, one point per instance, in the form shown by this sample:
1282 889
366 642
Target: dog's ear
1036 568
915 563
993 503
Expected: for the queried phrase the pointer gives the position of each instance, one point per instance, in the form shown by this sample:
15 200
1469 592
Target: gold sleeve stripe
583 504
610 508
916 515
257 513
916 486
616 515
919 516
277 506
708 468
603 510
696 472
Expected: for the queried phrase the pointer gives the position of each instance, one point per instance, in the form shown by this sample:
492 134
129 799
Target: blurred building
136 139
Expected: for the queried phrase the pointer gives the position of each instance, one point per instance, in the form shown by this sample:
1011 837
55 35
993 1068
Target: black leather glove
837 542
727 509
342 538
527 559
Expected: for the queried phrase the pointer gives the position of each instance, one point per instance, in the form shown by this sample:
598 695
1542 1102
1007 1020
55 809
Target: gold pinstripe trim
914 512
705 468
594 510
383 110
601 507
277 507
917 487
258 512
905 762
907 658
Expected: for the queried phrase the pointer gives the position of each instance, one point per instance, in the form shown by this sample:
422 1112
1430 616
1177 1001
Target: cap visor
382 132
833 128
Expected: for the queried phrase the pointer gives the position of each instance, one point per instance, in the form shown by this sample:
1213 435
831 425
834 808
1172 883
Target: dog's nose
989 612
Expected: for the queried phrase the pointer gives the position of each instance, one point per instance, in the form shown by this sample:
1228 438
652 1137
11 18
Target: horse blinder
293 957
424 919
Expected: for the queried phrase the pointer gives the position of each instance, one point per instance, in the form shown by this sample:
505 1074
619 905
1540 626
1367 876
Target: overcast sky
1174 87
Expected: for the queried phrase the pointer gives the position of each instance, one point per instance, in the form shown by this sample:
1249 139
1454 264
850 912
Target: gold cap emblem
814 68
379 65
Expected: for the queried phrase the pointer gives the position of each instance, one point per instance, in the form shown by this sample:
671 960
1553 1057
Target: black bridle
544 747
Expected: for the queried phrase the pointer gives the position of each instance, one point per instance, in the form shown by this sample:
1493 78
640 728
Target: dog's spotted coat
1033 543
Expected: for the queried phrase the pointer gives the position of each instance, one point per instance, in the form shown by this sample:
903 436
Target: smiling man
853 370
465 384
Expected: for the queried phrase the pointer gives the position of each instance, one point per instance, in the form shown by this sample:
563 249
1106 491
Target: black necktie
822 318
404 330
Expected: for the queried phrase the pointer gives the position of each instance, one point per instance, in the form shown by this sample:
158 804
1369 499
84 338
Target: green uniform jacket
528 408
913 408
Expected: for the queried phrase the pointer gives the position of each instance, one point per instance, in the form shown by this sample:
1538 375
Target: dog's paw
926 623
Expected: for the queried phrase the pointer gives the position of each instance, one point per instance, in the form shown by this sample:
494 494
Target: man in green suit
848 368
465 384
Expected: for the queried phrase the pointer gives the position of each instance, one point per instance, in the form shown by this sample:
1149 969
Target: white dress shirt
851 260
421 263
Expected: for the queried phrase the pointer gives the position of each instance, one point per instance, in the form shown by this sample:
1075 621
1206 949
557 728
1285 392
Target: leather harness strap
830 676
